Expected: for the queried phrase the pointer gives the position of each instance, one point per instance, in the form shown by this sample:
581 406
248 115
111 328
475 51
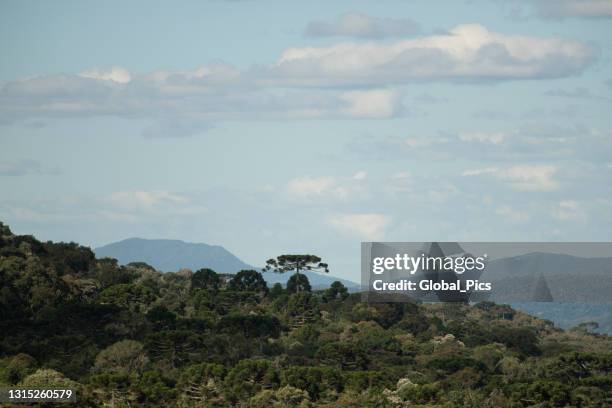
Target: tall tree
297 263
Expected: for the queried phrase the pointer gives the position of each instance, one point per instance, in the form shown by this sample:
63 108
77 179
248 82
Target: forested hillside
131 336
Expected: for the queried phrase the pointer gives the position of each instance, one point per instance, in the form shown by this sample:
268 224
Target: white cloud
479 172
521 177
126 206
144 200
466 52
316 187
569 211
115 73
480 137
304 83
367 226
378 103
530 177
185 98
361 25
402 175
310 185
360 175
327 188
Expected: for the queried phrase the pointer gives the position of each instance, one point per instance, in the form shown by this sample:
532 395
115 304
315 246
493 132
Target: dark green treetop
248 281
205 279
297 263
298 283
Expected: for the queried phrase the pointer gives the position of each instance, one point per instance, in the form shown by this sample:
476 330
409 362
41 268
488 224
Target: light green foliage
47 378
16 368
124 357
285 397
490 355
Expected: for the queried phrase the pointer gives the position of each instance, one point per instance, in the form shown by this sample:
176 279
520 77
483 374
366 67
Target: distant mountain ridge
568 278
170 255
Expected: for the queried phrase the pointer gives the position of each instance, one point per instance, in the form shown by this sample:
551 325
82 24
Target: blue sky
275 127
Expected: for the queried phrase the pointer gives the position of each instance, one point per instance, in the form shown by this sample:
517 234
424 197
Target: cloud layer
521 177
368 226
467 52
346 80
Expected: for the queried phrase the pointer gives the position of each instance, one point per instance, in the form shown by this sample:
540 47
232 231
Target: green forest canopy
131 336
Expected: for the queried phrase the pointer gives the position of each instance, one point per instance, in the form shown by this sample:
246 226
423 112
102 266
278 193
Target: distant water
568 315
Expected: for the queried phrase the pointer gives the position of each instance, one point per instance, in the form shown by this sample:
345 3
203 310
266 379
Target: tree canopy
248 281
205 279
298 283
132 336
297 263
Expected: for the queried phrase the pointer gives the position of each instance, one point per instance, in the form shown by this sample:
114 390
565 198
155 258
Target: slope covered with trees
131 336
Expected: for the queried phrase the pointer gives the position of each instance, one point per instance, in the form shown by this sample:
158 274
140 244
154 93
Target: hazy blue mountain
568 278
568 315
170 255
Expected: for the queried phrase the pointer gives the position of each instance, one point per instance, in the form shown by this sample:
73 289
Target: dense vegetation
131 336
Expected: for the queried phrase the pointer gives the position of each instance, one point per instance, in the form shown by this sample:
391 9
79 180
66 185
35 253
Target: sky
273 127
